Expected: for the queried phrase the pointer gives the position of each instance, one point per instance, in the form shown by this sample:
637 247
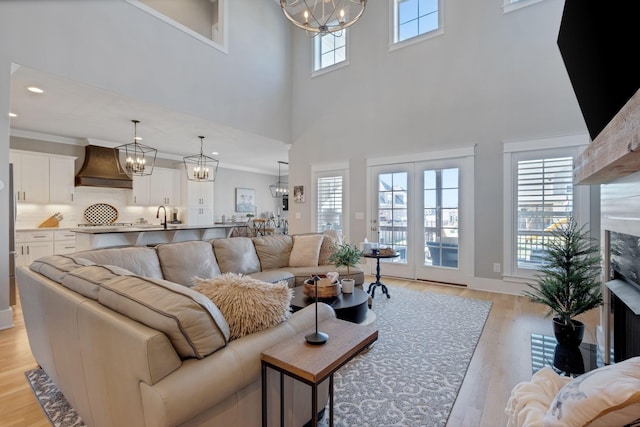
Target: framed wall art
245 200
298 193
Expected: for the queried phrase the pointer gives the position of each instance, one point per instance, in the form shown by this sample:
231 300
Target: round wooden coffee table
351 307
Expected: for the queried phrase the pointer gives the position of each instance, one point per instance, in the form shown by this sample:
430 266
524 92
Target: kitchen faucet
165 216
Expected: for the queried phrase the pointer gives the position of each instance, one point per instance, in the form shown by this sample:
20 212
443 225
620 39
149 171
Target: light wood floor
501 360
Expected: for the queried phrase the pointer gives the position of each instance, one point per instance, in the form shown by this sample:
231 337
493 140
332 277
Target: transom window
330 49
413 18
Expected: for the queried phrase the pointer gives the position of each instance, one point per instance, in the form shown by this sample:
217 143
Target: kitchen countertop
140 228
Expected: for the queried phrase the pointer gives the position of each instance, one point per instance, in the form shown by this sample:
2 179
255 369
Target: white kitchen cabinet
30 176
64 242
198 216
61 179
164 187
198 200
140 193
199 194
31 245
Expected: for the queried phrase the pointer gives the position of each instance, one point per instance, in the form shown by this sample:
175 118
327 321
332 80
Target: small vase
571 334
347 285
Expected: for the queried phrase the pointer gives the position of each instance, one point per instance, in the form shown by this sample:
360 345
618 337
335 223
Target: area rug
412 374
410 377
52 401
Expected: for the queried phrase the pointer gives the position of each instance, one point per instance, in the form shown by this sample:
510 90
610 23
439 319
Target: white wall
492 77
115 46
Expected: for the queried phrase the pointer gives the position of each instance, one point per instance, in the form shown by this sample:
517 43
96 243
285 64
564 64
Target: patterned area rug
53 402
410 377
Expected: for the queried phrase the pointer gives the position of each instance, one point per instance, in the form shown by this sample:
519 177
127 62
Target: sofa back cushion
306 250
55 267
181 262
273 251
87 280
139 260
193 324
236 255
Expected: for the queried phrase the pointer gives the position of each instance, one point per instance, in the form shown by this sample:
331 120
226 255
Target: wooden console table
312 364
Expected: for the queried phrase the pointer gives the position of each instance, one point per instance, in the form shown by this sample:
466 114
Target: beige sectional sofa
128 342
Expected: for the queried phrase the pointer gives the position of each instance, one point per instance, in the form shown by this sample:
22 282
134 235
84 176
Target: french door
423 210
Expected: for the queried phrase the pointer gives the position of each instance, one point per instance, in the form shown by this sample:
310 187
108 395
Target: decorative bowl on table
326 289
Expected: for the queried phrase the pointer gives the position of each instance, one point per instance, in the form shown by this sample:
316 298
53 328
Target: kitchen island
145 235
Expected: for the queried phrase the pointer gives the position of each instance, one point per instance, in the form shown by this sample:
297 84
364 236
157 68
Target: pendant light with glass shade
139 159
280 188
199 167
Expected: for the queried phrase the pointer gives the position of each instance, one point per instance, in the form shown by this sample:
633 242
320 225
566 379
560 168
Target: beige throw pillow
606 396
306 250
247 304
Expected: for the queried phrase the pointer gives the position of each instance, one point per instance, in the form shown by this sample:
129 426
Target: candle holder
316 338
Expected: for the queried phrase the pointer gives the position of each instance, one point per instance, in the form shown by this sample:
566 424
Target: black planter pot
571 334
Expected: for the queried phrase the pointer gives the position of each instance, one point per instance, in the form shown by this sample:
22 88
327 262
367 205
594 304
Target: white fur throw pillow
247 304
306 250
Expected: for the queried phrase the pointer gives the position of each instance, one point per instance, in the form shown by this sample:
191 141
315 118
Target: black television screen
598 42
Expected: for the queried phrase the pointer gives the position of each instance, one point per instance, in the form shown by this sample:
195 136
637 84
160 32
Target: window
329 203
441 189
330 49
545 201
392 212
413 18
539 196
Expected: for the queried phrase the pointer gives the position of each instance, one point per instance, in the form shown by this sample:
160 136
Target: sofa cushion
55 267
249 305
139 260
327 248
305 251
193 324
273 251
236 255
87 280
273 276
612 391
181 262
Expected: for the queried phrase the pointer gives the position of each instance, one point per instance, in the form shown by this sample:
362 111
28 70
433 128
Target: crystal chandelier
199 167
323 16
280 188
138 158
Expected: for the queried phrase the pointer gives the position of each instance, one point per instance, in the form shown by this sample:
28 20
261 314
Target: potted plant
348 255
568 280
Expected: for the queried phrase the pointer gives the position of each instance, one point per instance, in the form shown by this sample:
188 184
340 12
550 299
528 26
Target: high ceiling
91 115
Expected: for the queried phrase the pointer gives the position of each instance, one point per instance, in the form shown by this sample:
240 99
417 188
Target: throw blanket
530 400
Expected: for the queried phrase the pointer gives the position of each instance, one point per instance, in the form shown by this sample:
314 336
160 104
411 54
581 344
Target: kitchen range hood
102 168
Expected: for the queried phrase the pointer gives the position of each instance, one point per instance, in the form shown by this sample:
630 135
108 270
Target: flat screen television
598 42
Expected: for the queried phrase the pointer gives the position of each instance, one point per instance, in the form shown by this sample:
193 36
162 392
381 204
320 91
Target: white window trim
337 66
327 169
393 45
510 6
224 47
571 145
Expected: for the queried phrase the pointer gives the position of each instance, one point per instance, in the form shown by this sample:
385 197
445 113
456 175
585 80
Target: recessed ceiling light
34 89
13 115
215 153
